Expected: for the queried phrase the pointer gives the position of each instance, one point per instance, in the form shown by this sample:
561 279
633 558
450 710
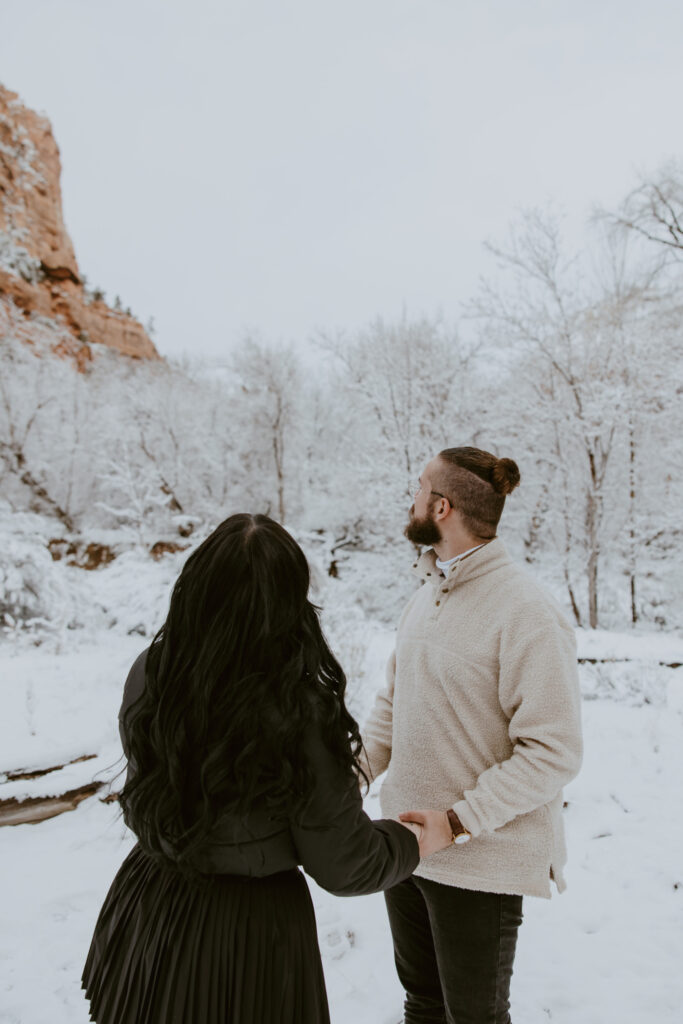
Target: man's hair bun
504 476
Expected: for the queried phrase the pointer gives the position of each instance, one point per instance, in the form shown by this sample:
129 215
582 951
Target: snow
606 950
62 705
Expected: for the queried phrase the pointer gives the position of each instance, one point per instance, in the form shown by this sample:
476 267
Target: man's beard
422 531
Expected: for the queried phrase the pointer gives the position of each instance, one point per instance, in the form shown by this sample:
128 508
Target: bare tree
580 336
654 209
636 307
407 385
265 400
131 491
25 398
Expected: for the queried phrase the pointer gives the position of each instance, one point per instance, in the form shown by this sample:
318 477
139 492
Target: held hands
432 829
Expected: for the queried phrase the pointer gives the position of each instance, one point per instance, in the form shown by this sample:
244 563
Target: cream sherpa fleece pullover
481 713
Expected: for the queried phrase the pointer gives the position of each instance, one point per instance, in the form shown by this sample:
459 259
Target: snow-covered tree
404 392
264 398
584 335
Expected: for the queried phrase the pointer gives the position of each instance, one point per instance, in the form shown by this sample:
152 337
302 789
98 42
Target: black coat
333 840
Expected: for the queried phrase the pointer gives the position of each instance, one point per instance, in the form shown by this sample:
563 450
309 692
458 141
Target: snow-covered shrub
32 587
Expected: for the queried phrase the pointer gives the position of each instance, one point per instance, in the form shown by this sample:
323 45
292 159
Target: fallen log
39 808
36 773
615 661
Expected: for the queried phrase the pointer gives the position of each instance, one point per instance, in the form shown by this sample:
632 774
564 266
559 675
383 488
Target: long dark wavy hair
233 679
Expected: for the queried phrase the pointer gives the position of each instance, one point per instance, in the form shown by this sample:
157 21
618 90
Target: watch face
464 837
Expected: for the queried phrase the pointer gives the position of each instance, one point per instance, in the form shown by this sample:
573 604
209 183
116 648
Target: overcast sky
283 165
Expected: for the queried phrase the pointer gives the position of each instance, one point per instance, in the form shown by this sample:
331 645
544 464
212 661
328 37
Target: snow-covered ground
608 951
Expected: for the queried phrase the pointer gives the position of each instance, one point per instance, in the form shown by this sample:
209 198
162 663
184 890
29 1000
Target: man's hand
436 830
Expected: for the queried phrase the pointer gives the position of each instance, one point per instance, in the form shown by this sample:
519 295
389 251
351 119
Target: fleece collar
484 560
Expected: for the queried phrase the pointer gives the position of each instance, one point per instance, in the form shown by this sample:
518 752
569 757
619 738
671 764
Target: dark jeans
454 950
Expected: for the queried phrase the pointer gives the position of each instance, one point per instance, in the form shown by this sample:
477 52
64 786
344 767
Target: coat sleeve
539 693
133 687
378 730
338 845
377 734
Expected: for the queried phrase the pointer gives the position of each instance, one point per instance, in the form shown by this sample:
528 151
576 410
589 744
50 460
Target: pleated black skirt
238 951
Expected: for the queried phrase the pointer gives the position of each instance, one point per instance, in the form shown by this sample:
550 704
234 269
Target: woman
242 765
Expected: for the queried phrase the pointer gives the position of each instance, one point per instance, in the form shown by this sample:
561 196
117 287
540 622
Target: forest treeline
570 362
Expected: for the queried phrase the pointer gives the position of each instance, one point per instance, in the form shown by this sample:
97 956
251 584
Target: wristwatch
460 833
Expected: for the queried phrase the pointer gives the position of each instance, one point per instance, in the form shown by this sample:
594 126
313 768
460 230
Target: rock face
39 275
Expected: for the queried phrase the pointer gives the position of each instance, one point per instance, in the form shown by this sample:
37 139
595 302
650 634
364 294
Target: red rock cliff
39 274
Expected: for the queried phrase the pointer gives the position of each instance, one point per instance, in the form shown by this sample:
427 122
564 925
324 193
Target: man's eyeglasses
438 493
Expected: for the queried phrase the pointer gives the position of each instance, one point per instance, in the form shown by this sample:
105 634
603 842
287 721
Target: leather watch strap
457 827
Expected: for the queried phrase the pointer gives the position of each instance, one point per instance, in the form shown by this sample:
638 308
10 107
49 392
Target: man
478 729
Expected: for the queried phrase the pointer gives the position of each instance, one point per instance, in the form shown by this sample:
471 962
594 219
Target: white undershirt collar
445 566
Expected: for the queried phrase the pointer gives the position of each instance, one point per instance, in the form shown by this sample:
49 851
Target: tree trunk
632 513
279 473
592 518
593 590
572 596
278 457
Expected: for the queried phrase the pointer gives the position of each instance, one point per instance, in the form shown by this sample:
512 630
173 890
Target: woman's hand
435 830
417 830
